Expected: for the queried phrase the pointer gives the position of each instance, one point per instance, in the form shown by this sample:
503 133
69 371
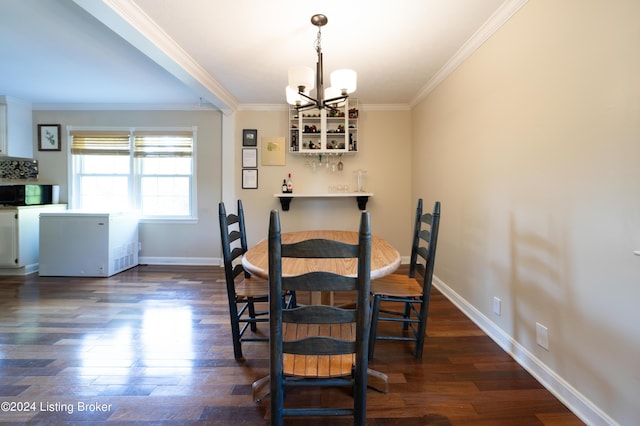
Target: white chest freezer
76 243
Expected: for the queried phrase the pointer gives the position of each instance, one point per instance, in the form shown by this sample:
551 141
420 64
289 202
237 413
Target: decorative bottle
284 185
289 184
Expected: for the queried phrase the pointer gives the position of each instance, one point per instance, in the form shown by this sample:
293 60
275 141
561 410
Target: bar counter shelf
361 197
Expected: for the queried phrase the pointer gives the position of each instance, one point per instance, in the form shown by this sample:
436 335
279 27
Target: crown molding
263 107
128 20
497 20
384 107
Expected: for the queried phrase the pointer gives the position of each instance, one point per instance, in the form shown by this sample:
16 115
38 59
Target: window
149 171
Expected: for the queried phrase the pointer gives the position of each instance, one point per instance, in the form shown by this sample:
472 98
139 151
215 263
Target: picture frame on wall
249 158
49 137
249 137
273 151
249 178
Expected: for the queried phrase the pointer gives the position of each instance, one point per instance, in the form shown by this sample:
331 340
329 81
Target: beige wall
384 152
385 142
534 145
161 243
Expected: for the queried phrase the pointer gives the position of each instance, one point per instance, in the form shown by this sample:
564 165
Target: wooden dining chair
318 345
243 290
413 291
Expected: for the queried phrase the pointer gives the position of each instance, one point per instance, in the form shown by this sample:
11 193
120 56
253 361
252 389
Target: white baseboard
32 268
560 388
193 261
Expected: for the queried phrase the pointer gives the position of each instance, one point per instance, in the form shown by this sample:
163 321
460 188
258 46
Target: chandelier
301 80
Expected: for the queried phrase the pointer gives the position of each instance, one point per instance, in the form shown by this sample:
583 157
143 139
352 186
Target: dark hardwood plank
152 346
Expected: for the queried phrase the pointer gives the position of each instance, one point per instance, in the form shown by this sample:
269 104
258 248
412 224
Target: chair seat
318 366
252 287
396 285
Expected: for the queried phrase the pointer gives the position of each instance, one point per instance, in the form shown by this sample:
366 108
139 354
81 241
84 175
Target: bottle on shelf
284 185
289 184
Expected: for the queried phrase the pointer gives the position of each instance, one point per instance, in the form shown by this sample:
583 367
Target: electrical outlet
542 336
497 306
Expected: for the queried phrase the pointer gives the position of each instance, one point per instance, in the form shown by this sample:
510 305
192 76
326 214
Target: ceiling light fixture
301 80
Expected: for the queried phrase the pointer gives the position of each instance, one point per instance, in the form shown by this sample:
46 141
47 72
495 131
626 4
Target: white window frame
134 177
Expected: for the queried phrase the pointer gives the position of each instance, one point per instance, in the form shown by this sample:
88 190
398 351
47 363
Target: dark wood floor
152 346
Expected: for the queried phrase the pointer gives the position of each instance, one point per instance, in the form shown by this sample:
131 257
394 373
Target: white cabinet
8 238
316 131
16 133
20 238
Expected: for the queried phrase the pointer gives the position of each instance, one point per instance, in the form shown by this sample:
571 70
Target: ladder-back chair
319 345
413 291
243 290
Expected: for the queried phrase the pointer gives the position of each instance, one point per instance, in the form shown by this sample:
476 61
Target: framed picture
249 178
273 151
49 137
249 158
249 137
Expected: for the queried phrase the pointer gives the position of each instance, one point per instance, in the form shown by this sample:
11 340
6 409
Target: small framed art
249 137
49 137
273 151
249 158
249 178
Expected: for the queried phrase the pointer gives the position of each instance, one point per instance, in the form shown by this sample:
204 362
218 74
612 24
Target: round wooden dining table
385 259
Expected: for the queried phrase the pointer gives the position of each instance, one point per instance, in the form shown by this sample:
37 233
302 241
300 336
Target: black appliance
25 195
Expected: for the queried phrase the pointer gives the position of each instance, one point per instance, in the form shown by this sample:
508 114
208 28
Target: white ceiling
230 54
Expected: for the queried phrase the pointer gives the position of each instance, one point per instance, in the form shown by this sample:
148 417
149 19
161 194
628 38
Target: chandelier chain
318 44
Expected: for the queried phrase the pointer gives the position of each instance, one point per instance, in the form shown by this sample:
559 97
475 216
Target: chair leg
422 330
235 331
277 401
360 400
407 315
375 313
252 314
424 315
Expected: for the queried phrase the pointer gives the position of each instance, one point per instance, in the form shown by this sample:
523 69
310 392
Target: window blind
100 143
162 144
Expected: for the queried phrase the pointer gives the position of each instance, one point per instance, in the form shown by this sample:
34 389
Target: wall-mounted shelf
361 198
324 131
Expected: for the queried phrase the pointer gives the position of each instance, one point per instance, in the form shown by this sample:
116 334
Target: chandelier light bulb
345 80
333 93
293 97
301 76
